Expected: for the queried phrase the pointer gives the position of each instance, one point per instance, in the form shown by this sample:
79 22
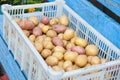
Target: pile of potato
59 45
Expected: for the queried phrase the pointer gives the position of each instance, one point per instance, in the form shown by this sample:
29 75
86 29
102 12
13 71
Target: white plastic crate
34 66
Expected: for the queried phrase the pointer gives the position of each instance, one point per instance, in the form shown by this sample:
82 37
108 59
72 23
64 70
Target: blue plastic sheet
113 5
9 64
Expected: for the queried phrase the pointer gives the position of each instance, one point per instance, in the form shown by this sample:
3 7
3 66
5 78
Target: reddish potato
26 24
37 31
78 49
59 28
45 20
57 42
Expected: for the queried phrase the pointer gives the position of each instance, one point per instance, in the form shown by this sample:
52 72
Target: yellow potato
54 21
48 45
87 65
103 60
81 60
89 58
69 45
17 20
45 28
59 49
57 68
65 43
51 60
59 55
51 33
41 25
60 63
68 34
95 60
64 20
91 50
67 64
71 56
60 36
38 46
81 42
27 33
34 20
46 52
47 39
32 38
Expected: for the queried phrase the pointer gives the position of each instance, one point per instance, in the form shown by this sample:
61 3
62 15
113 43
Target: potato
64 20
59 55
34 20
57 68
65 43
45 28
54 21
38 46
75 67
47 39
59 49
40 39
17 20
73 40
59 28
69 68
57 42
51 60
32 38
78 49
89 58
41 25
46 52
37 31
51 33
45 19
26 24
67 64
60 36
68 34
91 50
60 63
48 45
81 42
87 65
71 56
95 60
103 60
81 60
69 45
27 33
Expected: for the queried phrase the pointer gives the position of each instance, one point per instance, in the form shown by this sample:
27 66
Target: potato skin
45 53
51 33
51 60
68 34
81 60
78 49
59 28
37 31
57 42
26 24
91 50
